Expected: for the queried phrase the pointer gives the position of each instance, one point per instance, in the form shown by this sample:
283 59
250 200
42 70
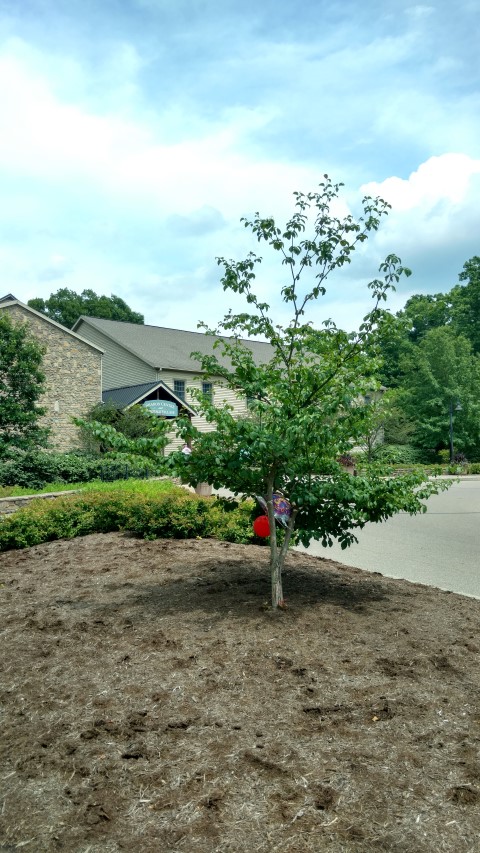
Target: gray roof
167 348
128 395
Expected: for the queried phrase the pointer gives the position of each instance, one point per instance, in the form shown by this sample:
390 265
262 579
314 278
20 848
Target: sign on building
164 408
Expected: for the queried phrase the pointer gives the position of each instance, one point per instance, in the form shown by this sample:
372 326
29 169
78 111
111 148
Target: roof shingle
168 348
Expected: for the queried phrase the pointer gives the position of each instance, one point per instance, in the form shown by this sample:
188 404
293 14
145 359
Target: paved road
440 547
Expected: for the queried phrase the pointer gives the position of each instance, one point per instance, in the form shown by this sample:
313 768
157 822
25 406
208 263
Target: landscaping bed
152 702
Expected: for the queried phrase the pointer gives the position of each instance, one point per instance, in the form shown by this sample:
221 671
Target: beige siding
221 394
73 373
120 367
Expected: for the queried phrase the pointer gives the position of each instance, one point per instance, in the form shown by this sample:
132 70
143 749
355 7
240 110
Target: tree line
431 368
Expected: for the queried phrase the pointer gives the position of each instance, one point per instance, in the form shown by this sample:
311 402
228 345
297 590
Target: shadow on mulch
242 591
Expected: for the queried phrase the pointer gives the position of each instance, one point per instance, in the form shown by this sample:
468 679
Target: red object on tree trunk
261 526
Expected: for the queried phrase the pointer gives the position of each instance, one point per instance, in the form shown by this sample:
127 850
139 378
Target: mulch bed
151 702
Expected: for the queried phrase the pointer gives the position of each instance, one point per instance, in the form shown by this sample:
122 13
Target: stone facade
73 370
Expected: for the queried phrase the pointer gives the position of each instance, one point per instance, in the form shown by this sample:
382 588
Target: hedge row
174 514
34 469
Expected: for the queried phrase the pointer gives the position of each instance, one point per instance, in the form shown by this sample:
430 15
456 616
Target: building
122 363
73 371
144 364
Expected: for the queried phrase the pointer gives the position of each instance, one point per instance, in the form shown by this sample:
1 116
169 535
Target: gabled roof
6 301
129 395
163 348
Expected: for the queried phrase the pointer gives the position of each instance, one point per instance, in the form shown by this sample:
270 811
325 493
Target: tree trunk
275 561
277 587
277 557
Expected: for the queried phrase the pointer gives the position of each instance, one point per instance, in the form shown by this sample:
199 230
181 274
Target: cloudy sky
134 134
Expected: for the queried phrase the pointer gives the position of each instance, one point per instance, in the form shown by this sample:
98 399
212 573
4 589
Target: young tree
65 307
305 406
21 386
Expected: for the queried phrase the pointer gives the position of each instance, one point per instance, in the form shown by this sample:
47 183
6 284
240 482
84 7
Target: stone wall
73 371
12 504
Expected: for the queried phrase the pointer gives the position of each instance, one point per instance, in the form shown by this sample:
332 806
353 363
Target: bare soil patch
151 703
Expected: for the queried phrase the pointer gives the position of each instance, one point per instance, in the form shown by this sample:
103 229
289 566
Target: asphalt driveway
440 547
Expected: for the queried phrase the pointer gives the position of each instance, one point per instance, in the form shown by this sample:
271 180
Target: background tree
65 307
401 340
398 428
135 422
150 445
22 384
441 371
386 423
466 303
399 333
392 335
306 405
424 312
458 309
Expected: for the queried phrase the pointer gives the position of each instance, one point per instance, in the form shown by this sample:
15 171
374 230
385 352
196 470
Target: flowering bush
346 460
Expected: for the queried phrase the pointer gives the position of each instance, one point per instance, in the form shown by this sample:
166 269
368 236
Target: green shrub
232 523
399 454
178 515
435 470
135 422
150 510
44 521
35 469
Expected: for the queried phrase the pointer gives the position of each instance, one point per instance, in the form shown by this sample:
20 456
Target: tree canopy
65 307
22 383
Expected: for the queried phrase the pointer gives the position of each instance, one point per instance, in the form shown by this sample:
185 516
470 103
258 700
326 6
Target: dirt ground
152 702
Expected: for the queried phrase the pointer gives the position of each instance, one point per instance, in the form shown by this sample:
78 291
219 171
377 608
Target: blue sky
134 134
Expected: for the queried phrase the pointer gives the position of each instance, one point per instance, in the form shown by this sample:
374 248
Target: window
179 388
207 389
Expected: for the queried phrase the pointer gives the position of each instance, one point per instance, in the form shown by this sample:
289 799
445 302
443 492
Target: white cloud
433 195
435 219
44 137
126 162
